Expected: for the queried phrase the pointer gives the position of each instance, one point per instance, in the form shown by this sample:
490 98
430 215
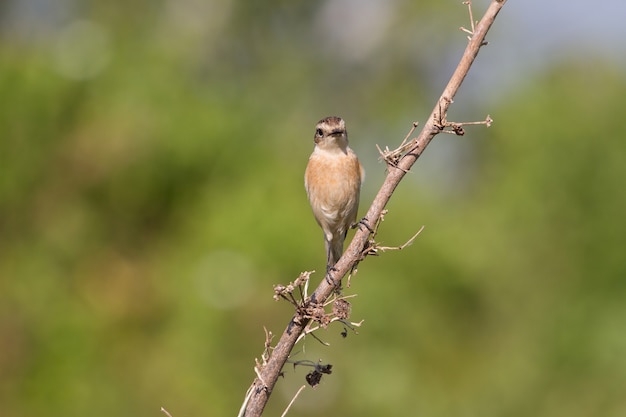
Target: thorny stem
261 389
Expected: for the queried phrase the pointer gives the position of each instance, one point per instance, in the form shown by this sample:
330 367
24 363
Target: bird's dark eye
319 133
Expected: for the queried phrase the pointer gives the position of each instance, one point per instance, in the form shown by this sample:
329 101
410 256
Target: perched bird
332 180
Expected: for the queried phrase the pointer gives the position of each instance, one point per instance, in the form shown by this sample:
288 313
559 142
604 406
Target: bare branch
398 165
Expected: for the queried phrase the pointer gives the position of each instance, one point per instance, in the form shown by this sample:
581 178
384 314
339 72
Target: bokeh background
151 193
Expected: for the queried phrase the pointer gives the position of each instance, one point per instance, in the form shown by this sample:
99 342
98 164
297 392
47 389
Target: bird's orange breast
333 182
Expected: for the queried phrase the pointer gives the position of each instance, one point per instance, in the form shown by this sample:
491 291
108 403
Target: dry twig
292 401
392 157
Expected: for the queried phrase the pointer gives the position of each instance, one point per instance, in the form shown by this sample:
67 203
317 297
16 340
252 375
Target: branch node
373 247
286 291
393 157
257 371
267 351
456 128
473 23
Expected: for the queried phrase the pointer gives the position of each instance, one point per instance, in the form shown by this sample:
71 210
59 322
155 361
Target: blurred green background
151 193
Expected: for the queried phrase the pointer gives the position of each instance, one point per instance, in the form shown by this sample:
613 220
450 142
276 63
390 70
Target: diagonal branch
262 387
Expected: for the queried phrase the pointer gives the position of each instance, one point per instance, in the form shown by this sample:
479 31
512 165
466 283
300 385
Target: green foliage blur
151 193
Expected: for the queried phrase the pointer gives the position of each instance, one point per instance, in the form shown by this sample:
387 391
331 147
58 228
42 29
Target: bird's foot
365 223
329 275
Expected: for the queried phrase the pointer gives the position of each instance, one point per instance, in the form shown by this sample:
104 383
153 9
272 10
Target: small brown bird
333 184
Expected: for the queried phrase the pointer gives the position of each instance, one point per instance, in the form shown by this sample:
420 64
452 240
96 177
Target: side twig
292 401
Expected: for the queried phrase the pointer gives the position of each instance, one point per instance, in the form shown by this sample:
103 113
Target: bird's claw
364 222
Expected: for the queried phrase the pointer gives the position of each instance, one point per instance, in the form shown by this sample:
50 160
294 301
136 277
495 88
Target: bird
332 180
